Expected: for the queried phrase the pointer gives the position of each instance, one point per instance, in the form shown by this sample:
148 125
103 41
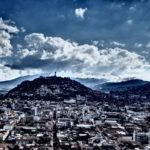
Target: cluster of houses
69 125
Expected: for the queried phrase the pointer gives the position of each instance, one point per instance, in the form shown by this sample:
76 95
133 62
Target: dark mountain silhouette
58 89
53 88
7 85
138 92
121 86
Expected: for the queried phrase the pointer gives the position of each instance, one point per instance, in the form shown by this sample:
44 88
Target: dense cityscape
75 123
74 74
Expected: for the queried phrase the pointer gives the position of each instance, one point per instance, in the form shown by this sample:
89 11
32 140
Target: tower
34 111
134 135
55 74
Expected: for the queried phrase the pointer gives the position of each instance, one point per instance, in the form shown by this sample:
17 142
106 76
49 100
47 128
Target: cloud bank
42 54
6 33
83 60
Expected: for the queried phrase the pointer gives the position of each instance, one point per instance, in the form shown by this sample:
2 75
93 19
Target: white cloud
80 12
4 25
138 45
7 74
25 52
115 43
5 45
132 8
83 60
98 43
6 31
86 60
23 29
95 42
148 45
130 22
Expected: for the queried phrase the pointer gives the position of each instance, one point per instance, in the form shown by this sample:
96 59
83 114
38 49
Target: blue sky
85 38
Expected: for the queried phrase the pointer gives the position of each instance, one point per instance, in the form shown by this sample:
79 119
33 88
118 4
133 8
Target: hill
141 91
53 88
7 85
121 86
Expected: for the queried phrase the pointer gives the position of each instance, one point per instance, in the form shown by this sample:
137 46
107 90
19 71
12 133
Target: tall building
34 111
140 137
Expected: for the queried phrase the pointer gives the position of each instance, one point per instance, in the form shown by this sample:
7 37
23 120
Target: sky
78 38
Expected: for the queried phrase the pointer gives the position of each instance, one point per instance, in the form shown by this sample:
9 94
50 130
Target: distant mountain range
53 88
93 83
141 92
5 86
61 88
120 86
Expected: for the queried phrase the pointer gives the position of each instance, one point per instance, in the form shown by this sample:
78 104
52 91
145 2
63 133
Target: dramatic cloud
4 25
6 33
108 38
80 12
7 53
7 73
55 53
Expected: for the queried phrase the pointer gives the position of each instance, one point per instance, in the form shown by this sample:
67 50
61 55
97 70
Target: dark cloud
122 25
54 53
28 62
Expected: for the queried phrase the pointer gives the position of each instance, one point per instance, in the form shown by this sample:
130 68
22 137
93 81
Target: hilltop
53 88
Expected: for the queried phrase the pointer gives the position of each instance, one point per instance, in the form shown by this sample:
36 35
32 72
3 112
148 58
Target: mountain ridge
120 86
52 88
93 83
